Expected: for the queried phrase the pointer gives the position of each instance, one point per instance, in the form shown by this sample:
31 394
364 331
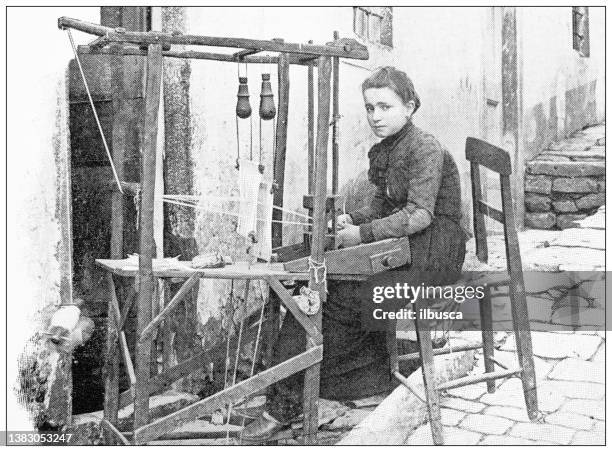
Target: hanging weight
267 109
243 106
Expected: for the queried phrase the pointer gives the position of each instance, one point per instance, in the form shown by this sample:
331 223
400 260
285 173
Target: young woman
418 194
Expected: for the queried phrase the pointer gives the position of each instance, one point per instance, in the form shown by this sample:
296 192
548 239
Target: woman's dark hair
398 81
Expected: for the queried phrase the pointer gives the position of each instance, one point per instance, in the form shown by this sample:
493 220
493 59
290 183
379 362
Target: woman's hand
343 220
349 236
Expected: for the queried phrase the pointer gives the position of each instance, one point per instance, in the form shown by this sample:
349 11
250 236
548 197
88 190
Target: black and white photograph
240 225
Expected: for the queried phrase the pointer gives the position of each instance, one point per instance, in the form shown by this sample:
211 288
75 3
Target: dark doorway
92 188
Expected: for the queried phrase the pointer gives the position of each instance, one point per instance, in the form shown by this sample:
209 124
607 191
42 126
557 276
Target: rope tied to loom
316 267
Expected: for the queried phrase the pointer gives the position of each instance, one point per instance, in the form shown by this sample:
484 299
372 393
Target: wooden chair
479 153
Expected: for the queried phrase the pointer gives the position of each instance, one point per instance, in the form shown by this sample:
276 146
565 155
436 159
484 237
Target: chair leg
423 332
486 324
524 351
392 347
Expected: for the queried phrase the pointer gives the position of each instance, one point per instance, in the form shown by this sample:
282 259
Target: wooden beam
490 211
317 282
169 308
364 259
111 371
198 55
352 49
118 143
335 135
281 149
307 323
110 429
473 379
231 395
311 127
147 281
116 318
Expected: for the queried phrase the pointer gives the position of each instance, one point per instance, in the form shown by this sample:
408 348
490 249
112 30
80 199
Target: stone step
567 169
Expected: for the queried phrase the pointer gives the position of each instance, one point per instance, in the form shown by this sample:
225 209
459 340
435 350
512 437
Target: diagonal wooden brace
232 395
125 352
147 333
291 305
109 427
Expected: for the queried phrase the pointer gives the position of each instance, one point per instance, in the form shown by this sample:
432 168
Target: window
580 29
374 24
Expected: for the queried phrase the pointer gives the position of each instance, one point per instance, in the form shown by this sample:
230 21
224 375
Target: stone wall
566 182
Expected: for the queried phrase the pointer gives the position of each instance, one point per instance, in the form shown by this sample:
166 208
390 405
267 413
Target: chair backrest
479 152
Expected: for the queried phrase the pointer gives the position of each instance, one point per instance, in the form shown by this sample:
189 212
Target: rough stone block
576 389
538 184
593 318
540 220
568 220
452 436
462 405
591 408
537 203
591 201
568 419
491 425
574 185
589 439
565 206
567 169
510 394
543 432
572 369
601 185
451 417
546 157
579 143
499 440
509 412
471 392
548 345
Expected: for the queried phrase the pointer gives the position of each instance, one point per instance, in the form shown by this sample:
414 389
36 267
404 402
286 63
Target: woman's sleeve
370 212
418 177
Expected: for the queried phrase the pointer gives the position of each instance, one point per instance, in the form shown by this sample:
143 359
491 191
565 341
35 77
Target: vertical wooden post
281 148
111 361
311 126
311 132
317 281
145 263
118 148
335 135
111 369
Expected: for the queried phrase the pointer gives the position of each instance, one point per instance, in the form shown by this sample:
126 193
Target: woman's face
387 113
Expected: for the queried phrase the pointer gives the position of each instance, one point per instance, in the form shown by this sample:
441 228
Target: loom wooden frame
155 46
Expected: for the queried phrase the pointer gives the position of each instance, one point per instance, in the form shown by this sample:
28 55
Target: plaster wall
38 202
440 48
562 91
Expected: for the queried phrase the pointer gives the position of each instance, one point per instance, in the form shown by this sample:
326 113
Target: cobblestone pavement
569 352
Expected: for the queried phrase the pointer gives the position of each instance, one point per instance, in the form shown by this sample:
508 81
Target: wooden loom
369 258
